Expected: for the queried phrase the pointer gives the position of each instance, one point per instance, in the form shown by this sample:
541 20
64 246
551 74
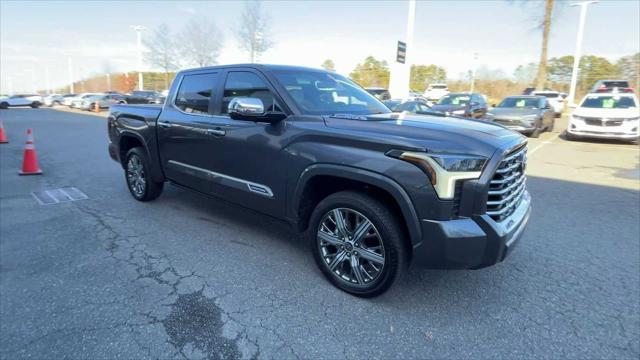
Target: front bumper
626 131
516 125
470 243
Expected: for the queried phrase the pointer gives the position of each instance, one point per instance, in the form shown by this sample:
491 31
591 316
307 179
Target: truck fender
156 171
368 177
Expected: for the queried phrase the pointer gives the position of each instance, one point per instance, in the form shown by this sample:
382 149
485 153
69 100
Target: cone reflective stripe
30 162
3 136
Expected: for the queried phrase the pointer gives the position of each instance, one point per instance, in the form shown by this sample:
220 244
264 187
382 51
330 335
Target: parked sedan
529 115
464 104
144 97
76 102
380 93
104 101
419 107
555 98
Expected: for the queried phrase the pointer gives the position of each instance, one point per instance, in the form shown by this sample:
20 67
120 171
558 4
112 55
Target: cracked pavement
189 277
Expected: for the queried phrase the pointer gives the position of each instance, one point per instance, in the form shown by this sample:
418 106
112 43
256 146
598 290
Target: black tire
148 191
386 229
569 137
552 126
35 105
4 105
536 132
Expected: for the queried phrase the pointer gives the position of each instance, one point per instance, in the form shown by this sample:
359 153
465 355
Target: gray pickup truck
370 190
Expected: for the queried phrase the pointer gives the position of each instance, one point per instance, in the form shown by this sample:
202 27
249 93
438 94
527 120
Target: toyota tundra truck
370 190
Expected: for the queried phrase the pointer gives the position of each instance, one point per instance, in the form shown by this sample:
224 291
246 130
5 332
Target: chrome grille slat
508 185
521 180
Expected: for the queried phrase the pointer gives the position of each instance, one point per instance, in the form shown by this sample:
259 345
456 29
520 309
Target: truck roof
256 66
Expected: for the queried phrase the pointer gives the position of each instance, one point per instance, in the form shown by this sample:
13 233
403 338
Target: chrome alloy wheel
351 246
135 175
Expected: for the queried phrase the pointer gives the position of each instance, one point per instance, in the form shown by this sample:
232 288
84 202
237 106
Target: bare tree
253 30
541 79
200 42
161 51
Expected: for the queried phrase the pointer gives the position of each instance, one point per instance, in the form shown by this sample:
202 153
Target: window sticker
520 103
455 101
608 103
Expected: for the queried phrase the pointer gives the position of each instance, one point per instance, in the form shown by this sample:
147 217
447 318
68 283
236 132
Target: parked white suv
606 115
435 91
32 100
555 98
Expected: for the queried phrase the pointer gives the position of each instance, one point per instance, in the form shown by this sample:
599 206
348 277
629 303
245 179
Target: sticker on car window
608 103
520 103
455 101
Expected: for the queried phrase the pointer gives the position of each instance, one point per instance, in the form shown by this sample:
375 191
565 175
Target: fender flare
369 177
156 174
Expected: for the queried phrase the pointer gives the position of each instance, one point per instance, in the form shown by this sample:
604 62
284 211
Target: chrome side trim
242 184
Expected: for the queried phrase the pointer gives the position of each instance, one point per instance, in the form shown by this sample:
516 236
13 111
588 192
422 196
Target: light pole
400 79
138 29
108 81
576 57
474 65
70 65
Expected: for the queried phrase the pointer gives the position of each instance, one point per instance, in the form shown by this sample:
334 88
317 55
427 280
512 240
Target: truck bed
146 112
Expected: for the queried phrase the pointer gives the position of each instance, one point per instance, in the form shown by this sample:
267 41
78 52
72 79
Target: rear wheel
35 105
4 105
139 181
358 243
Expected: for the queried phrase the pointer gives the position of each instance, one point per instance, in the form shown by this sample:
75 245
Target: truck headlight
576 117
444 169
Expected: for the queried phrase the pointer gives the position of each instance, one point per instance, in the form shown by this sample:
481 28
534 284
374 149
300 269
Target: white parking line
543 144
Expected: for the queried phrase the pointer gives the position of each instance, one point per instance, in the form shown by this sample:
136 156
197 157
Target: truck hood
430 133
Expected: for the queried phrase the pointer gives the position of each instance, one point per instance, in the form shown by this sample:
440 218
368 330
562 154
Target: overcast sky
39 35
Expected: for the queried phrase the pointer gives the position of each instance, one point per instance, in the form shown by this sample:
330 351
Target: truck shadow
560 255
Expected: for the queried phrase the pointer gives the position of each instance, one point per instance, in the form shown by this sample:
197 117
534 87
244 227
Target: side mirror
252 109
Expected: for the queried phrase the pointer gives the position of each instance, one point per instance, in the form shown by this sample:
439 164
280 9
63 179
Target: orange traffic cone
30 162
3 136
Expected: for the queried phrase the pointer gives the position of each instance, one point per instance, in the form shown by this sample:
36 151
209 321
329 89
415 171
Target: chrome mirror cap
246 106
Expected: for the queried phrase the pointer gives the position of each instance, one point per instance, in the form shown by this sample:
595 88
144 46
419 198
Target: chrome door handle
216 132
164 124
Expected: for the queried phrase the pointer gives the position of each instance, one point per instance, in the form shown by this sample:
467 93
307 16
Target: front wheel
358 243
139 180
4 105
35 105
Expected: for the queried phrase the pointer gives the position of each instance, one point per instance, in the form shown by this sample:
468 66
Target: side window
194 93
423 108
247 84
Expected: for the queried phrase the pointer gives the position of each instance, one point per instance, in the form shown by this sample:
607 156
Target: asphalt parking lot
184 276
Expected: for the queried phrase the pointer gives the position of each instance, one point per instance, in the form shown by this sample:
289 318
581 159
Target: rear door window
195 93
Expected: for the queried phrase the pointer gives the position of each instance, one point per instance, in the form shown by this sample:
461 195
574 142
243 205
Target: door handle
216 132
164 124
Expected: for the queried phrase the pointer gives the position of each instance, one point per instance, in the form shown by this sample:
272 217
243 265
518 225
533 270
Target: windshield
455 99
320 93
520 102
609 102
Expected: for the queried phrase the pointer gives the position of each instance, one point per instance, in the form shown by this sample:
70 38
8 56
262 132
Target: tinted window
612 84
520 102
247 84
195 92
455 99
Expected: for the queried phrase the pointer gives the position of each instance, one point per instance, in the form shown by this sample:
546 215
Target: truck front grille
507 185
